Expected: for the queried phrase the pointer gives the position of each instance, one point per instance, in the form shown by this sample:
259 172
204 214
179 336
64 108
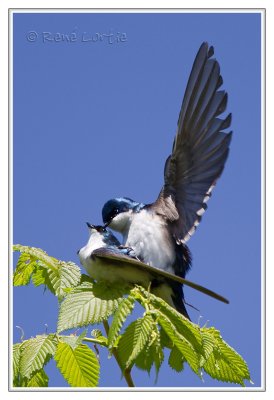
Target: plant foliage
141 343
79 365
34 264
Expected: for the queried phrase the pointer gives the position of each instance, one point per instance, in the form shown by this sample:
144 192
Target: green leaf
134 339
152 353
38 379
67 275
41 277
79 366
89 303
208 342
176 360
16 363
58 276
183 334
165 340
73 340
222 362
124 309
24 269
37 254
36 352
190 331
232 357
218 368
184 346
60 280
157 351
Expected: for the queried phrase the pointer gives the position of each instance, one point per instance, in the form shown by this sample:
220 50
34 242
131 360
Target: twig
126 372
95 341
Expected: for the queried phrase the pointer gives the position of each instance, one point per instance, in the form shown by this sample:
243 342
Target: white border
263 173
136 10
164 10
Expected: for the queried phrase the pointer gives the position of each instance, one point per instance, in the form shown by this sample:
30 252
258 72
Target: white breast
95 242
100 269
150 240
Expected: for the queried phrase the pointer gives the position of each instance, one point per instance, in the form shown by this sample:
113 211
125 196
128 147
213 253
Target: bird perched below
105 259
158 232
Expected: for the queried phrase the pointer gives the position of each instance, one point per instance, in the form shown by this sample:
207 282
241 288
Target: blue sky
95 120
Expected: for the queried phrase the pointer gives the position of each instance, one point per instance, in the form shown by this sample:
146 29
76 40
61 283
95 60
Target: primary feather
200 148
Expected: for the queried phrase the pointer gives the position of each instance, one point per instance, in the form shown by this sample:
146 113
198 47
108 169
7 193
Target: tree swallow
158 232
105 259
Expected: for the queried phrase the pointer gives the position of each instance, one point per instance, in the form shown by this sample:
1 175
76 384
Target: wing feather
113 256
200 148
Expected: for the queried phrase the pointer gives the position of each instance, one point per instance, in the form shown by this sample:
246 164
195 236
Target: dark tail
178 299
172 293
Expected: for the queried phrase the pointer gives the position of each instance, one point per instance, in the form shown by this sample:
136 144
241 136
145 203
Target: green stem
126 372
95 341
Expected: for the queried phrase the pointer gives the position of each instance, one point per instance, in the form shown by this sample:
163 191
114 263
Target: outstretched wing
200 148
113 256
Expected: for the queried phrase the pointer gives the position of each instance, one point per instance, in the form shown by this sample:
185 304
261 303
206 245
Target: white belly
103 270
148 237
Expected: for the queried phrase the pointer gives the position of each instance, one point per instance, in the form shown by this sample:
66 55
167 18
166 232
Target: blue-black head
117 206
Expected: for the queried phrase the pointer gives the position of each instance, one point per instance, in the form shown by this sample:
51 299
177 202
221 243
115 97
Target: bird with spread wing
157 233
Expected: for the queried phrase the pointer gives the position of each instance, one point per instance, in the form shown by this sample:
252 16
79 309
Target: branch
126 372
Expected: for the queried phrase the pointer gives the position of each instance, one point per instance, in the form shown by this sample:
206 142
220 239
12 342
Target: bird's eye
114 213
111 215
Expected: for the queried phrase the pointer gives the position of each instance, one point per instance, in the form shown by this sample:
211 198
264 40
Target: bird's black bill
90 226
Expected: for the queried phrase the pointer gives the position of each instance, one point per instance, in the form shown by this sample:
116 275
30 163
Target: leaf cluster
143 343
76 361
36 266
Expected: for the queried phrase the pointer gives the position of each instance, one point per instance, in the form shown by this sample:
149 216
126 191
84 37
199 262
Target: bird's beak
90 226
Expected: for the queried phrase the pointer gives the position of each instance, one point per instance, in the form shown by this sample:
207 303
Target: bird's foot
128 251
